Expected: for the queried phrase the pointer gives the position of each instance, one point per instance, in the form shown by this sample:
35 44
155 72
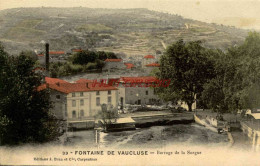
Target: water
152 137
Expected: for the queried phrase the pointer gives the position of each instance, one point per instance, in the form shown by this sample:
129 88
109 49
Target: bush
91 66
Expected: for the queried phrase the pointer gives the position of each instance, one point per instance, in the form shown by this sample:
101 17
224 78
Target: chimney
57 83
47 57
87 85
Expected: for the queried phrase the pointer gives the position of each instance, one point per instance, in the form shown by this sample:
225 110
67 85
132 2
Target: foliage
188 66
81 62
108 114
84 57
31 54
24 111
236 82
106 55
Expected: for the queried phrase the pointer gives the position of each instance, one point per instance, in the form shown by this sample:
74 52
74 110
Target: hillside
129 31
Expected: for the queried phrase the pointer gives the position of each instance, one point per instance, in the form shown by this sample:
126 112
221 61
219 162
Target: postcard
129 82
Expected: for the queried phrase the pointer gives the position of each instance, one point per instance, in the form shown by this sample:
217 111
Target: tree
24 111
101 55
84 57
106 55
188 66
107 115
236 78
31 54
111 55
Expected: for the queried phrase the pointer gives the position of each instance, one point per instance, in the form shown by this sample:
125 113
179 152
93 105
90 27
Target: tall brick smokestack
47 57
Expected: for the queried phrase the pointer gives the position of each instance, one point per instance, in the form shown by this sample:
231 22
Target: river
152 137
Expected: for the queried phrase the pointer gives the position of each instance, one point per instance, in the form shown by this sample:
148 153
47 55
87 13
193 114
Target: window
73 103
57 96
81 102
97 101
81 94
97 93
109 92
73 95
73 114
146 92
81 113
109 99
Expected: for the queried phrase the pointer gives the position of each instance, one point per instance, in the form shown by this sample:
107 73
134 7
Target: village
77 101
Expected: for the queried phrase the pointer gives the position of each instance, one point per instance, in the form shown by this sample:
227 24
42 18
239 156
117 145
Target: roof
66 87
83 80
50 80
149 56
113 60
146 79
153 65
129 65
40 55
112 81
125 120
256 115
56 52
122 120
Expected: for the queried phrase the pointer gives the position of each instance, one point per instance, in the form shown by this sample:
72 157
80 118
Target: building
251 127
151 66
129 66
111 64
79 101
131 93
148 59
57 56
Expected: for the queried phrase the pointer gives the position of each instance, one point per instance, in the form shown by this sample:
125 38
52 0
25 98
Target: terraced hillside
129 31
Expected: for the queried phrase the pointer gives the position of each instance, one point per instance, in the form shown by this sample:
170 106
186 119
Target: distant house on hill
148 59
151 66
129 65
57 55
111 64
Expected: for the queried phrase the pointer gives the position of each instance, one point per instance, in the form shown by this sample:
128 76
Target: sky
240 13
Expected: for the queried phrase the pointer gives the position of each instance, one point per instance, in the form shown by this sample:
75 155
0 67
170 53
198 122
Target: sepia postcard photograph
130 82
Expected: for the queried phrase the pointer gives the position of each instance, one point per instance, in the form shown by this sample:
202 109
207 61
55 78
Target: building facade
113 64
148 59
130 93
80 100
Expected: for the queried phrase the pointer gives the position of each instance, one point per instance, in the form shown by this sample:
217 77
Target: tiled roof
111 81
147 79
50 80
66 87
149 56
56 52
129 65
40 54
153 65
113 60
83 80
